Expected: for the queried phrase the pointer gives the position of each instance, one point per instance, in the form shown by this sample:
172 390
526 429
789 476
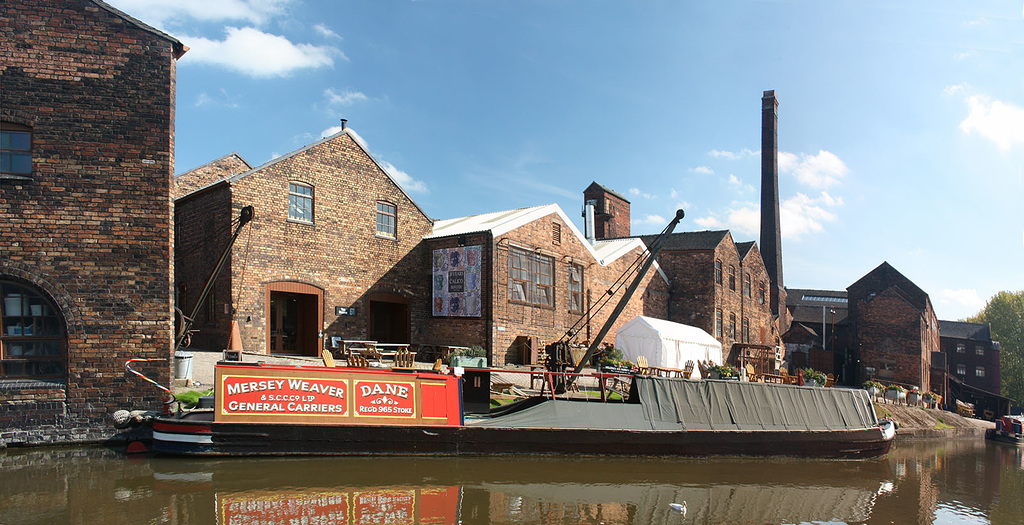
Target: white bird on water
678 507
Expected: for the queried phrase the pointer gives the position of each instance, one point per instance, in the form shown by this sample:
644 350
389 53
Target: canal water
965 481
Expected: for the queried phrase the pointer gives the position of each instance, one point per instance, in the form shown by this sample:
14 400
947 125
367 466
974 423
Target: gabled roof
347 131
605 189
501 222
686 241
744 248
179 48
884 277
962 330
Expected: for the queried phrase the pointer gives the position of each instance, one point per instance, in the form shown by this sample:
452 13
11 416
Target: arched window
33 340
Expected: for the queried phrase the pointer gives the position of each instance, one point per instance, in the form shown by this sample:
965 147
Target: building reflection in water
962 481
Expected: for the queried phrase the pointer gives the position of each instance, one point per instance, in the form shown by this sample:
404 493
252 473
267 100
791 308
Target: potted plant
473 357
723 372
813 377
895 393
873 387
612 360
914 395
931 399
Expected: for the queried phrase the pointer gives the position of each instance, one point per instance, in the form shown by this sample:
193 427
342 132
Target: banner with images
456 287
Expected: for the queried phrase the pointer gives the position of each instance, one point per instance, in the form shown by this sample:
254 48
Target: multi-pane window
979 371
387 219
979 350
576 288
718 324
718 272
732 277
732 326
15 150
32 336
763 294
531 277
300 202
746 330
961 369
961 348
746 285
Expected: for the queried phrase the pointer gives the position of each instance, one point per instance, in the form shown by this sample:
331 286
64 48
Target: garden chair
327 357
688 369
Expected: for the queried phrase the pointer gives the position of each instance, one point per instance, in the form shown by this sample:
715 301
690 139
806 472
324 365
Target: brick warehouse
87 124
333 233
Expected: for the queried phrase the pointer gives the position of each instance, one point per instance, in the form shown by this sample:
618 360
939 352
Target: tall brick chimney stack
771 236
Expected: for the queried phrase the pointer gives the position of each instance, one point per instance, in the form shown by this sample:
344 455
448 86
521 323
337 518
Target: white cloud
963 299
703 170
405 180
161 13
254 53
651 219
710 222
801 215
731 155
817 171
326 32
222 99
998 121
735 182
742 218
638 193
345 98
330 131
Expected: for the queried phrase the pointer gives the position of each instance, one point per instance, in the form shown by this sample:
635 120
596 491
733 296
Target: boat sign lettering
385 399
315 396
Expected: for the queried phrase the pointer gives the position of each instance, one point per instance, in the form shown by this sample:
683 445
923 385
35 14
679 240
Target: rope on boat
128 366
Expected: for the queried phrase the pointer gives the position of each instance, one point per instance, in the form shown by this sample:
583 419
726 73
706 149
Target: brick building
970 371
611 212
538 276
86 159
819 333
335 250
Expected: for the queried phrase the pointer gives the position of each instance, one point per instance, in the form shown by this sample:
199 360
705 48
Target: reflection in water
963 481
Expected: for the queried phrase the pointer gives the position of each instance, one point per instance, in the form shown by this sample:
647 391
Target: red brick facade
337 260
611 212
89 226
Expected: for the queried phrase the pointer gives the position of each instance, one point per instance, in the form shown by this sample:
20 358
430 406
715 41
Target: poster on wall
457 281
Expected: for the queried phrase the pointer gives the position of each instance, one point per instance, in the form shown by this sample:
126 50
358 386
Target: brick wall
989 360
209 173
91 227
891 336
611 214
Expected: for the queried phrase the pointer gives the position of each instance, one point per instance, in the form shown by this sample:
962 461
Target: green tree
1005 312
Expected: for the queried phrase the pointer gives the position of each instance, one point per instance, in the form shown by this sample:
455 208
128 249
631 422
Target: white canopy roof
667 344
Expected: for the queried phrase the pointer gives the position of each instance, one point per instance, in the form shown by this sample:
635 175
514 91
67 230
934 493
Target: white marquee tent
667 344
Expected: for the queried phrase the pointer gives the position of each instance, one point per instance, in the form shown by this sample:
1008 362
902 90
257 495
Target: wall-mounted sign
456 282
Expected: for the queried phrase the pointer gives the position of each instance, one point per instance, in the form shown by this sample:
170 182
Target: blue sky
901 128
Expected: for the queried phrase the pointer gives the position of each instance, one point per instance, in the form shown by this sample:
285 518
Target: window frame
746 286
535 274
961 348
745 334
732 277
576 288
10 152
718 272
979 351
732 326
294 198
979 372
961 369
393 214
48 342
718 323
763 298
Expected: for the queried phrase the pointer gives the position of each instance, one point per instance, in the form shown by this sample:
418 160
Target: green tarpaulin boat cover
679 404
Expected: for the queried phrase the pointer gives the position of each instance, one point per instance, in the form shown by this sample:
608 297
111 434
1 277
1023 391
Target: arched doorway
294 318
33 338
389 318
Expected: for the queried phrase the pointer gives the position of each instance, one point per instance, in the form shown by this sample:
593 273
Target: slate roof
686 241
805 305
884 277
744 248
962 330
607 190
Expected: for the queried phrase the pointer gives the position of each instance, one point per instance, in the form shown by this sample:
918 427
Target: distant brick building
611 212
86 159
971 369
335 250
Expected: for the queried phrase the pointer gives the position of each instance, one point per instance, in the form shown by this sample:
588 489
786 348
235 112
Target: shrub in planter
873 387
895 392
723 372
932 399
913 396
473 357
811 374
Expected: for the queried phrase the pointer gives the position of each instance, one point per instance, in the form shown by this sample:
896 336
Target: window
531 277
979 350
387 220
979 371
961 370
15 150
732 326
961 348
746 330
746 286
211 309
576 288
32 336
718 324
300 202
718 272
762 293
732 277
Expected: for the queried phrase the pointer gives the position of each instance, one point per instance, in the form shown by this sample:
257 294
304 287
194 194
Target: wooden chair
688 369
751 374
830 380
404 361
537 370
786 379
327 357
642 368
358 361
437 366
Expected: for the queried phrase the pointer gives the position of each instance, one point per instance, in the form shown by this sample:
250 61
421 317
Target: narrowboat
1008 430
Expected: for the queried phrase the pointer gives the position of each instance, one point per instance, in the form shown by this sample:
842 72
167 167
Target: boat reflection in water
531 490
966 481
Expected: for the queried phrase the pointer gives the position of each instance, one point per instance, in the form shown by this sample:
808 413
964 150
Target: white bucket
12 304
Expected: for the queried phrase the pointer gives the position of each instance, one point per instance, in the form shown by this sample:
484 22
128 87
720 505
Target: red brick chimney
611 212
